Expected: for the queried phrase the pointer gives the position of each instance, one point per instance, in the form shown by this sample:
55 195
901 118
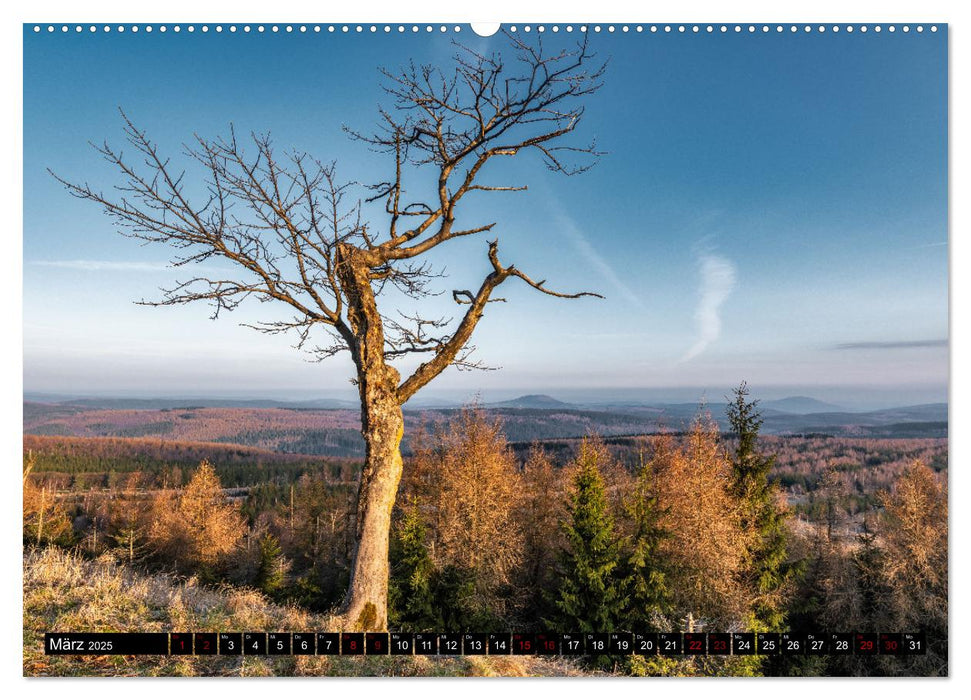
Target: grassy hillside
64 592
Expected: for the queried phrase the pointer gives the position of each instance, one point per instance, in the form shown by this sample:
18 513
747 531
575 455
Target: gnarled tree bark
382 425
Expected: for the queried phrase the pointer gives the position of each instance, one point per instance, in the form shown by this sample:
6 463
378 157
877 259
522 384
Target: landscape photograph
401 350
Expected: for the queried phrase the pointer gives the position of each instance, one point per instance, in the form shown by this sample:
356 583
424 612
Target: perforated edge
512 28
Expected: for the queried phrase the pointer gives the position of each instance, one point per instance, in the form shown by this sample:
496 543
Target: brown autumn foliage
869 464
57 449
541 510
466 485
913 535
707 544
45 518
889 574
834 574
197 527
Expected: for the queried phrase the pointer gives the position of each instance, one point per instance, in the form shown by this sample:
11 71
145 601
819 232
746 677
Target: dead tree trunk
366 604
40 517
382 425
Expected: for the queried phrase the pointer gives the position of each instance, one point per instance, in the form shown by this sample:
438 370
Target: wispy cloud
939 244
717 280
103 265
893 344
124 266
565 224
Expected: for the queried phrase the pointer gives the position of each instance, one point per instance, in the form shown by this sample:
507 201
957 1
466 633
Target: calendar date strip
486 644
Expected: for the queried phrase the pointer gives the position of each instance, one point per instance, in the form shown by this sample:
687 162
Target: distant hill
139 404
925 420
322 428
531 401
799 404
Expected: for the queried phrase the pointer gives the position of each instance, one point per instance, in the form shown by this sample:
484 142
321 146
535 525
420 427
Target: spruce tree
868 558
767 570
411 598
269 574
590 593
645 576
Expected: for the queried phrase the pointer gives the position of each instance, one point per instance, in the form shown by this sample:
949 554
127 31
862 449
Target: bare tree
294 237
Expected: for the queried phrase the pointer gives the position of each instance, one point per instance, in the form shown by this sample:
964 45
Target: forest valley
696 530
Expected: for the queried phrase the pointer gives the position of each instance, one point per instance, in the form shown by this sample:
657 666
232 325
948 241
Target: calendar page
532 349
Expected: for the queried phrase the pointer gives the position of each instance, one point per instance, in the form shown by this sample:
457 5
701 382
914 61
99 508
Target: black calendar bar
494 644
99 643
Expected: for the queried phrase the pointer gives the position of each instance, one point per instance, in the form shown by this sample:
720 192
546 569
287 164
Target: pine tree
466 483
126 517
590 596
706 551
198 528
767 571
540 512
913 532
411 600
868 560
45 519
646 578
270 573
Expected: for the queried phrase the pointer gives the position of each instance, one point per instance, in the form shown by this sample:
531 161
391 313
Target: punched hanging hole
486 29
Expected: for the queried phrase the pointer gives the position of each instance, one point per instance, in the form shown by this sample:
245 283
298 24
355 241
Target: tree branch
447 353
285 224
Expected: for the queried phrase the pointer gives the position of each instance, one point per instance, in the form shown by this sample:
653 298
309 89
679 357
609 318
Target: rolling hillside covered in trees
695 530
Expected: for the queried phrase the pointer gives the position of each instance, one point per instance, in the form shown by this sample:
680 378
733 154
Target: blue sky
771 208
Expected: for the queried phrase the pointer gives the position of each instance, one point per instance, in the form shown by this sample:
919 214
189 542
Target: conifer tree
761 512
590 595
270 574
868 561
540 512
411 603
466 483
913 532
646 578
45 519
706 551
126 518
198 528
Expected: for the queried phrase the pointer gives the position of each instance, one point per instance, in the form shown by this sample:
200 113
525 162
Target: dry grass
64 592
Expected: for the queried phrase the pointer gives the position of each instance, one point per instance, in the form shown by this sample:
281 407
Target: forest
694 530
